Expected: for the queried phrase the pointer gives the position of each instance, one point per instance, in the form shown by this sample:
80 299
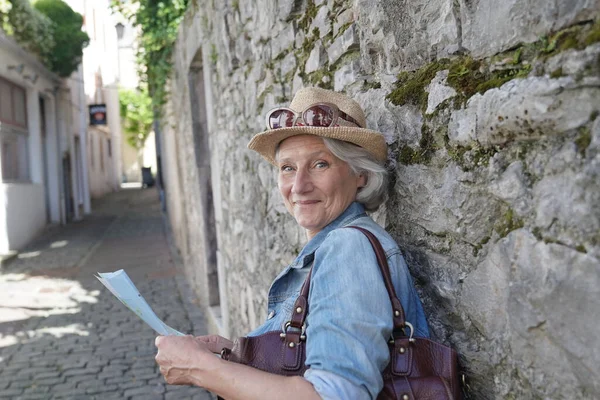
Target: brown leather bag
419 368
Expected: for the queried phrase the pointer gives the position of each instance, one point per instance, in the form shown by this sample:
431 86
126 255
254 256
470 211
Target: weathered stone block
524 109
490 27
346 75
284 40
343 44
405 35
316 59
511 187
321 21
438 91
344 18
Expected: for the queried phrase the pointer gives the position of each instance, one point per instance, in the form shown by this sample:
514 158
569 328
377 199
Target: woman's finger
215 343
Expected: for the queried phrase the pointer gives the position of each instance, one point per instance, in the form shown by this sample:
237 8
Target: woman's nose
302 182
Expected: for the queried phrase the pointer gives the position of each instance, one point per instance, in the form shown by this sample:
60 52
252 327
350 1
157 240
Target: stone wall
490 110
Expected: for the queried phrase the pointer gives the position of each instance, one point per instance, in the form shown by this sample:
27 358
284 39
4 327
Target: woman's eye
286 168
321 164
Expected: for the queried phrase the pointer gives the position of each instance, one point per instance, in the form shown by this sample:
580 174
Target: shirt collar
355 210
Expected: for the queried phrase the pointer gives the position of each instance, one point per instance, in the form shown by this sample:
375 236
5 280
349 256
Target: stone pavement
63 336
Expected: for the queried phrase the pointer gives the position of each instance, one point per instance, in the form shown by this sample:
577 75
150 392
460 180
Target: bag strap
300 310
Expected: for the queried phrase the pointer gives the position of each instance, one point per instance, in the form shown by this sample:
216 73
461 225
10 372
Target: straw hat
265 143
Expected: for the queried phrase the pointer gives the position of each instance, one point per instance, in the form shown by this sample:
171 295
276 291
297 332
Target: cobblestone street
63 336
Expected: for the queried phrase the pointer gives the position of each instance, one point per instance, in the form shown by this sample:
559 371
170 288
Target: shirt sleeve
350 314
330 386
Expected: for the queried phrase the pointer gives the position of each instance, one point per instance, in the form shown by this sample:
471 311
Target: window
13 132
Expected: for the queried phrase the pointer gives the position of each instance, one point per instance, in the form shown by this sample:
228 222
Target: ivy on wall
158 21
50 30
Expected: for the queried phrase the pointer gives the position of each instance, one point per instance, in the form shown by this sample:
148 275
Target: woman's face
316 185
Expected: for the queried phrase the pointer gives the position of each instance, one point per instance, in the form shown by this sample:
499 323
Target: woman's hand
183 359
189 360
215 343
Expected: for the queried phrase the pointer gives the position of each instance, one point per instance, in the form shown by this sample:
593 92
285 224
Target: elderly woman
330 172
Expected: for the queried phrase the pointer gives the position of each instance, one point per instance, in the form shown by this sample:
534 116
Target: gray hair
361 162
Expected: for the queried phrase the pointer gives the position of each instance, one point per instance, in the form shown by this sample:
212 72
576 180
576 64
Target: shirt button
271 314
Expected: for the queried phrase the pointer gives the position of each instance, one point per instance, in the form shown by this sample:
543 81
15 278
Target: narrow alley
63 336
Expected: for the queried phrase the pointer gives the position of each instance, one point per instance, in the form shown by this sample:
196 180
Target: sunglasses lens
281 119
319 115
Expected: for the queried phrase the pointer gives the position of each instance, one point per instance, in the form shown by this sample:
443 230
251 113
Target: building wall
494 196
34 199
99 83
101 165
25 213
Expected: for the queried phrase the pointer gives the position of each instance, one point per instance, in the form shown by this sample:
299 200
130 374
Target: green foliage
158 21
31 29
51 30
136 116
69 39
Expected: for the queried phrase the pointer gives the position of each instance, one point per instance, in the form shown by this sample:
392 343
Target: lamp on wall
120 30
18 68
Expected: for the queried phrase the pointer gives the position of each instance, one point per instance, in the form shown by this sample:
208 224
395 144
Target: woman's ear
362 180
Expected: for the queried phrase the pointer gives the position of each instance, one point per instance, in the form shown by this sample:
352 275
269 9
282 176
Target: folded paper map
123 288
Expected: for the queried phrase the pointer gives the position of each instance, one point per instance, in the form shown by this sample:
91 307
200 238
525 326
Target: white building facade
37 183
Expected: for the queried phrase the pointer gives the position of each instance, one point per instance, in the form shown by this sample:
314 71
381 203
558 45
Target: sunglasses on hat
321 115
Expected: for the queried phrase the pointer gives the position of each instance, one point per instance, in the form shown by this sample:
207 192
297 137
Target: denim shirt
350 317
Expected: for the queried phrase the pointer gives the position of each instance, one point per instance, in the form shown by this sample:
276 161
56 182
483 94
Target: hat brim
265 143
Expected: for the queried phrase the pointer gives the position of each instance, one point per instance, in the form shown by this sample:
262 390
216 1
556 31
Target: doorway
202 158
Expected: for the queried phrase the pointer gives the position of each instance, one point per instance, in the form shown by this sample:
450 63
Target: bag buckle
286 325
410 336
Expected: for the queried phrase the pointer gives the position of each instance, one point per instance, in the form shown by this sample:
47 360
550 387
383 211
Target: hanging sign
97 114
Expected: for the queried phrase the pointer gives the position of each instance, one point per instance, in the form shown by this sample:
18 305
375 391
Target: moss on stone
214 56
260 101
557 73
410 86
303 52
508 223
583 140
345 59
323 77
456 153
593 36
342 29
370 85
469 76
477 248
581 248
427 148
316 32
594 115
481 156
307 17
408 156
